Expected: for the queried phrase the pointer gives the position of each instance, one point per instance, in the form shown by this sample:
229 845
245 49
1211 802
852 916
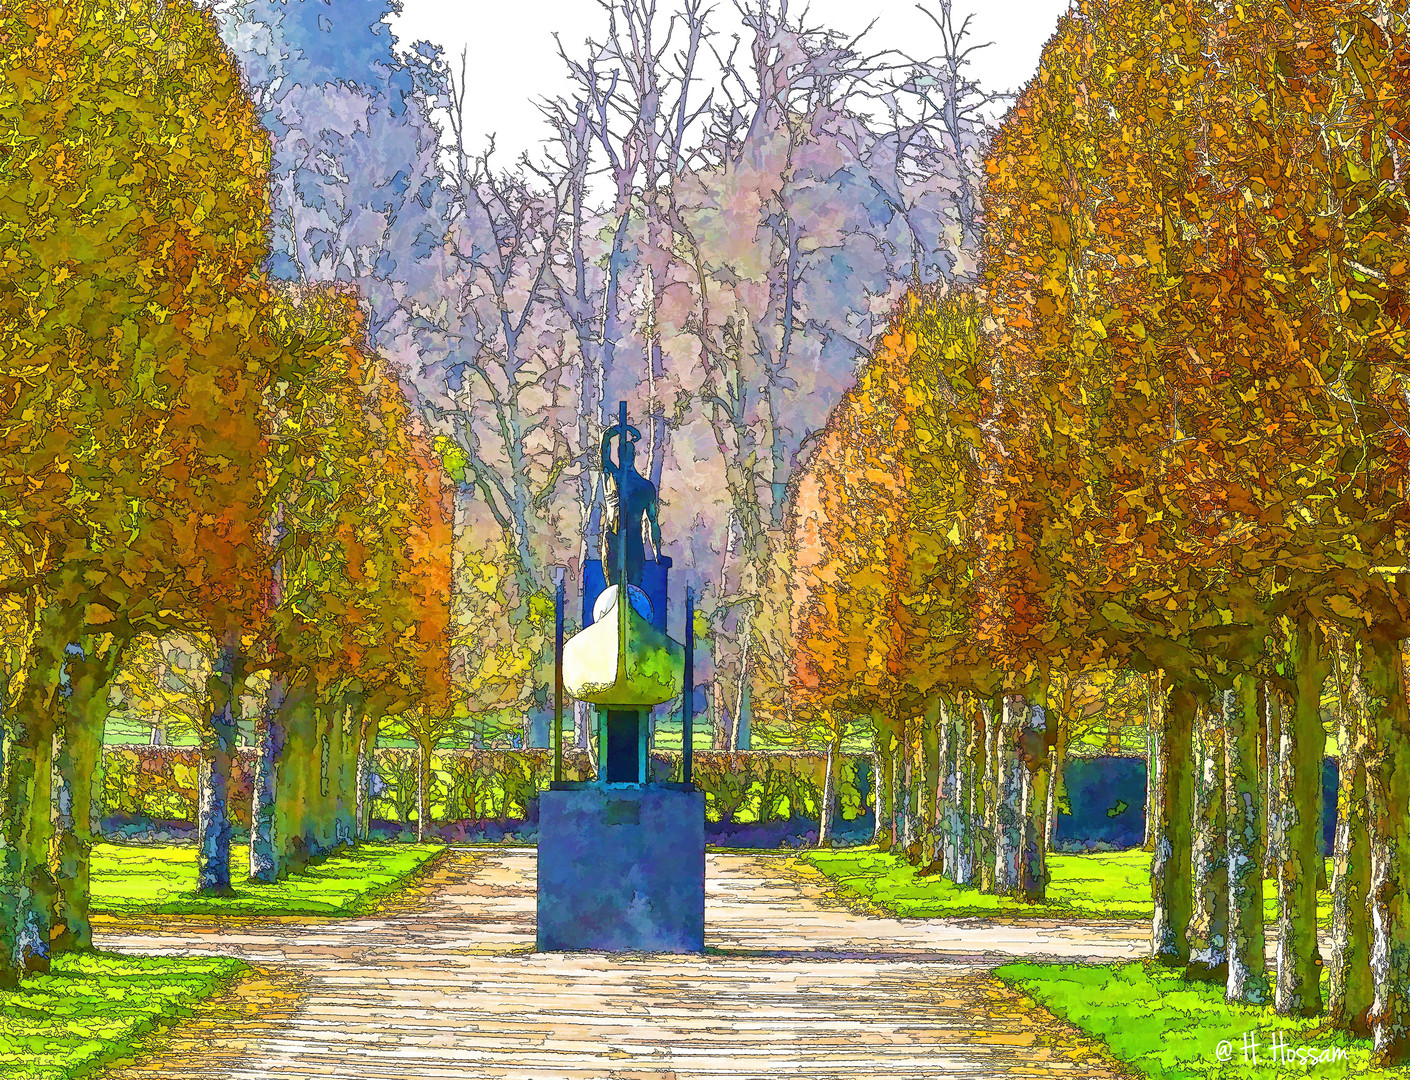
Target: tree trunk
1009 810
370 727
1243 781
885 779
1055 789
82 714
910 824
1273 799
38 892
1351 992
1155 780
739 738
721 728
1209 921
296 793
217 753
26 885
265 864
1035 750
960 852
1171 865
1388 787
423 791
349 743
934 743
829 781
1262 736
986 789
1299 990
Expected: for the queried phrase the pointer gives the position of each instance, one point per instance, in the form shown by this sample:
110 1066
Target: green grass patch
1163 1026
1100 885
96 1007
161 880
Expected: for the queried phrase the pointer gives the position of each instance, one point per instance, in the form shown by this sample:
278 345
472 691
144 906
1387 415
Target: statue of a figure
629 496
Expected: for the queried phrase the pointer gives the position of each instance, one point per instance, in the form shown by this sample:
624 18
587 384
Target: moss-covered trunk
347 739
26 883
1388 788
1299 987
1171 866
81 707
82 713
1209 918
1350 991
1243 785
296 789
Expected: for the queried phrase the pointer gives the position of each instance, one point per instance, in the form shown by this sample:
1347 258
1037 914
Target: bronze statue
629 495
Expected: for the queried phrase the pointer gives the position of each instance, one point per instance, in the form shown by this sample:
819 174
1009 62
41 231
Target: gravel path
445 986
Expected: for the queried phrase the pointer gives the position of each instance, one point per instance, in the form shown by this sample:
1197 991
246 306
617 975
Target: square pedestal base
621 869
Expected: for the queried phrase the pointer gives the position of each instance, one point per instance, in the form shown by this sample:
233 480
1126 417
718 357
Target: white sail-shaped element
622 660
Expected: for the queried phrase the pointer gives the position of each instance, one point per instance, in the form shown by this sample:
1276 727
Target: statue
629 496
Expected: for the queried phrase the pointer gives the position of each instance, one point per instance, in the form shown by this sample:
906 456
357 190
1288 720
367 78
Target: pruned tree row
196 462
1163 435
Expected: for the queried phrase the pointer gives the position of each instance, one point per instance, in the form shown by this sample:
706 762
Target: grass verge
1161 1026
1101 885
161 880
97 1007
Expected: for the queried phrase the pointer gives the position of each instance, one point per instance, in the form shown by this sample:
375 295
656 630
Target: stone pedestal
621 869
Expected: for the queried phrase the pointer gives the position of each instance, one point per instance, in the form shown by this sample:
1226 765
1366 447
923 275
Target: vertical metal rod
622 504
688 689
558 687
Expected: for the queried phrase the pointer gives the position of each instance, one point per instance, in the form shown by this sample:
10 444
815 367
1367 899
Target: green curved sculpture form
623 661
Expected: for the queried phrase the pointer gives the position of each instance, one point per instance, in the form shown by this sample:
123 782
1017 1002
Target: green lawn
94 1008
142 880
1163 1026
1102 885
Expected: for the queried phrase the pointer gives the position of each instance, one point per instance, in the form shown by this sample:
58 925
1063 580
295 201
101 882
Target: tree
139 499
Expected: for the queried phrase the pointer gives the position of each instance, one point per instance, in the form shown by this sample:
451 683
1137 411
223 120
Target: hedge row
159 783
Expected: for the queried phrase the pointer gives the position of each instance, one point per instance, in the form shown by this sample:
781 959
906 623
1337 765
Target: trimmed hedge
159 783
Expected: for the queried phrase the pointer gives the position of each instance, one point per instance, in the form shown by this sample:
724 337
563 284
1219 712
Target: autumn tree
134 372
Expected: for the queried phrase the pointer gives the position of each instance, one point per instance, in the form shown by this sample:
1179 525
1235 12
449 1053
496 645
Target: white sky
514 62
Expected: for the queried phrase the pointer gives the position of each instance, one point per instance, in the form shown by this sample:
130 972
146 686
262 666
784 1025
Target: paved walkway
447 987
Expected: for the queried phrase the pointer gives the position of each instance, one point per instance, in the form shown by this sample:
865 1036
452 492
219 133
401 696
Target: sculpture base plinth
621 869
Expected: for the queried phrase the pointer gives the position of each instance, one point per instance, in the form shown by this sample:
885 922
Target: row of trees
1165 434
189 451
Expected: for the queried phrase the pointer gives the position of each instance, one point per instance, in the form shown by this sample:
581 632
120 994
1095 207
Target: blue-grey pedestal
621 869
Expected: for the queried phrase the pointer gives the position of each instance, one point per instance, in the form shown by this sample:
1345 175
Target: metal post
622 506
558 687
688 689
